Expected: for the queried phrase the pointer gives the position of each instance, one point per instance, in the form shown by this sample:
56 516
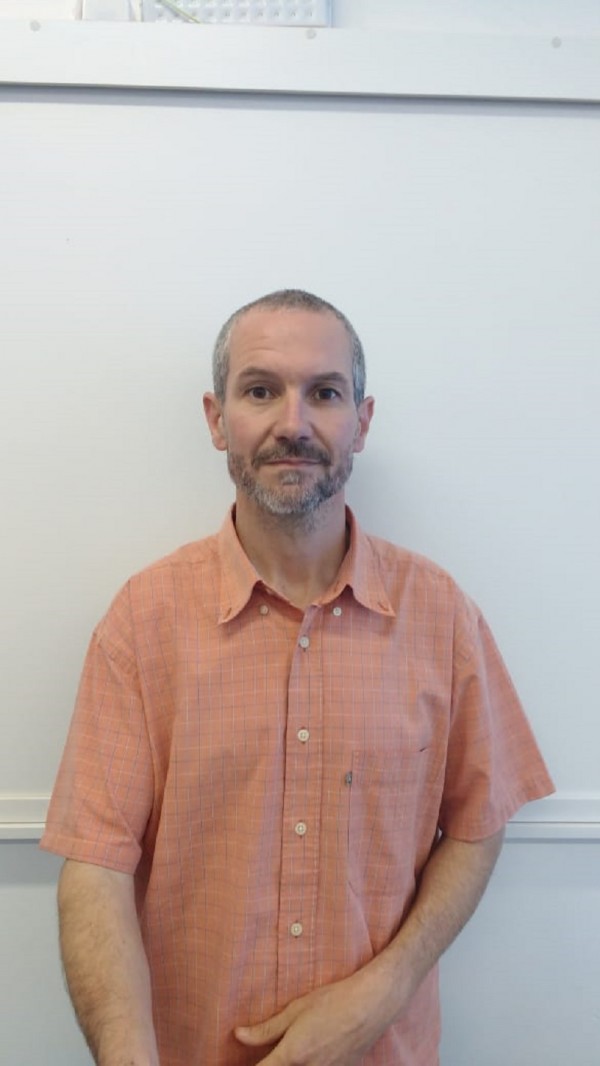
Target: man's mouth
292 462
291 459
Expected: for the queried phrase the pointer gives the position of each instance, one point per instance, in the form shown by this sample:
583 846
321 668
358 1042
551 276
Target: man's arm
337 1024
105 964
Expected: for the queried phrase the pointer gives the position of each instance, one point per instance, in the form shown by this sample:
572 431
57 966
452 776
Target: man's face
289 423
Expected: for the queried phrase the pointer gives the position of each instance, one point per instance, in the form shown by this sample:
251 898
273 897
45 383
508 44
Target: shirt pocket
387 791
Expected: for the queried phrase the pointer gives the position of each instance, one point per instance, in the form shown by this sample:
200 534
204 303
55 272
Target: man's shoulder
185 574
412 581
195 553
395 558
186 568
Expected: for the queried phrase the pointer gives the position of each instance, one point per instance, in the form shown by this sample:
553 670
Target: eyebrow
334 376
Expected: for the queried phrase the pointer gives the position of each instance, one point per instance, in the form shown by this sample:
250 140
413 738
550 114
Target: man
294 751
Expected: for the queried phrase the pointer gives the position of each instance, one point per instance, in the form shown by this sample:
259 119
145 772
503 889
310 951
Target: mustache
292 450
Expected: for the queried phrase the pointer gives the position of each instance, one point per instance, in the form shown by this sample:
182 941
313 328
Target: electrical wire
177 10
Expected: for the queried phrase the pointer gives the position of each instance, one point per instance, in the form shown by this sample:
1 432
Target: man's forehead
294 331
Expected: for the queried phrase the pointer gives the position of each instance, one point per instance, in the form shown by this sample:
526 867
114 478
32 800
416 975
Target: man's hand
337 1024
332 1026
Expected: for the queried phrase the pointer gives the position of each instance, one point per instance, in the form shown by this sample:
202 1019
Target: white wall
520 986
463 239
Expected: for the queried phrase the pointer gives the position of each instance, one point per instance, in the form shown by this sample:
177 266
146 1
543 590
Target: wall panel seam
335 62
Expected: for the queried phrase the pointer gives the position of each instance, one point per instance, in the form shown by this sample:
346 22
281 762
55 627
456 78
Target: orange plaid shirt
276 778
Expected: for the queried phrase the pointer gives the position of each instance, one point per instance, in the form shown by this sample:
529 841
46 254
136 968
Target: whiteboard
461 238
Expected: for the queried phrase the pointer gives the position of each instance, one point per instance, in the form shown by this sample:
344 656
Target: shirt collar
360 572
238 576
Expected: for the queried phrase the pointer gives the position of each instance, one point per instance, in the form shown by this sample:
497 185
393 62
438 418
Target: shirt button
337 611
296 929
300 828
304 642
263 608
303 735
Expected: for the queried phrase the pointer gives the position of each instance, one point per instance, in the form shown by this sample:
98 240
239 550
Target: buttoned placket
301 807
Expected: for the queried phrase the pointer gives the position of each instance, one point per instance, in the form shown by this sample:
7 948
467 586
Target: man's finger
265 1032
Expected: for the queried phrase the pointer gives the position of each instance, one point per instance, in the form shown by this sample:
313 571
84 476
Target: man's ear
365 414
214 417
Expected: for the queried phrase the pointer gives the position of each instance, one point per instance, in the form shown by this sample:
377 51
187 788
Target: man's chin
292 493
286 504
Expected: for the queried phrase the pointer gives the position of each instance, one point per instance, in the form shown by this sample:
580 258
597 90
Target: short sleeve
493 763
103 794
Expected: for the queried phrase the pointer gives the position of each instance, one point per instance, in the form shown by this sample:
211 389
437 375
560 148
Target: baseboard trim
566 816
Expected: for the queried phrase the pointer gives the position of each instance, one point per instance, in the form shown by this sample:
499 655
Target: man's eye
259 392
326 392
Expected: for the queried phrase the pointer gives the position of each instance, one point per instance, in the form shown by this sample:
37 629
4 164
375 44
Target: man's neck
296 556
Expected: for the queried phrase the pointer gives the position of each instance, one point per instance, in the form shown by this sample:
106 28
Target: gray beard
291 497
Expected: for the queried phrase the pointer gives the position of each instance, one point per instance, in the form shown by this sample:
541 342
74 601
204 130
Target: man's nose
293 420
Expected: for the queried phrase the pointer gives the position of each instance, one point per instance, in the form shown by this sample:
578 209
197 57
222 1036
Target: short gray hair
291 300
